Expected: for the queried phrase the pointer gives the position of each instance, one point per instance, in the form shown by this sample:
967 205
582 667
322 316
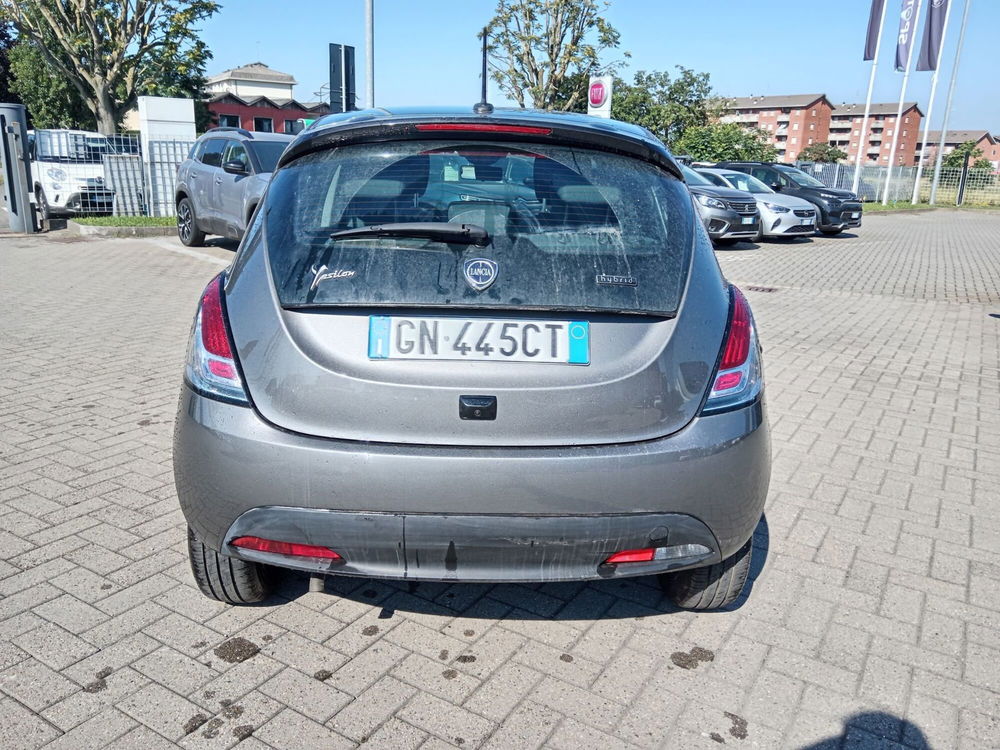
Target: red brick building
792 122
262 113
256 97
989 143
845 132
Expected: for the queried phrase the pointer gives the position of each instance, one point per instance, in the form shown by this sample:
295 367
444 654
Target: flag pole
947 107
899 110
930 107
868 104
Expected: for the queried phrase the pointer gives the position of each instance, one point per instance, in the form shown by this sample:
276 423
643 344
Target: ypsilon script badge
480 273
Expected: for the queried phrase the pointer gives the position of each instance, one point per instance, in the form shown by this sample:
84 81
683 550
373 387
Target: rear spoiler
507 129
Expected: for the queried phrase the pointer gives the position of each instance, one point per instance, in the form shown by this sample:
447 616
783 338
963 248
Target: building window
906 120
293 127
794 139
904 133
889 131
810 141
229 121
812 126
263 124
795 126
857 132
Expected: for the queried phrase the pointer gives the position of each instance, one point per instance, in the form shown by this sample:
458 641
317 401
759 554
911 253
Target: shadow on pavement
875 729
563 601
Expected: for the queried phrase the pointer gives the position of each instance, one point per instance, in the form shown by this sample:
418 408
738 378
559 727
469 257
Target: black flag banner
930 45
907 27
874 22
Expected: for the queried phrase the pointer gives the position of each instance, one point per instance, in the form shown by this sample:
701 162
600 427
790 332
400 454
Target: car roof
246 135
382 123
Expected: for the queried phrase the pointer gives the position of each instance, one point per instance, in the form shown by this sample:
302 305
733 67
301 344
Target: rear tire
44 212
187 225
713 586
227 579
830 232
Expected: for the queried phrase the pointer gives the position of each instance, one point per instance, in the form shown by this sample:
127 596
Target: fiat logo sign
598 93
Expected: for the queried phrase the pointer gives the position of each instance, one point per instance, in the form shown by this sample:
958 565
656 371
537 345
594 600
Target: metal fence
76 173
982 186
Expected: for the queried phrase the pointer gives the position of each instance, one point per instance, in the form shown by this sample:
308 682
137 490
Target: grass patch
874 207
126 221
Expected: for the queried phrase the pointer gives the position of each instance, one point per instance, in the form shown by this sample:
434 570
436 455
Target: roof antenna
483 107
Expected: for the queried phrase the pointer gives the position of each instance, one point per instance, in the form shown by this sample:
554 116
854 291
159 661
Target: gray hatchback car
457 346
222 180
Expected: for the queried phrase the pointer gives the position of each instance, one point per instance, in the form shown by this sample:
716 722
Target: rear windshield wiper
442 231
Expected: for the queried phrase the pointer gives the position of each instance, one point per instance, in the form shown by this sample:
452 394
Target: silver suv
223 179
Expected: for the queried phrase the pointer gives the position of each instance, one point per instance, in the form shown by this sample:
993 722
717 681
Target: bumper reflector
285 548
651 554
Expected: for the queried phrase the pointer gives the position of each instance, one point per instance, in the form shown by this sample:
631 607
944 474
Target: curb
95 231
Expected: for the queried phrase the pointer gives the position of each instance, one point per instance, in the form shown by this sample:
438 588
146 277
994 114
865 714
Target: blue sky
426 51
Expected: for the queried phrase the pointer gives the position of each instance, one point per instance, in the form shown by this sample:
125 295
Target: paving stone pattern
874 613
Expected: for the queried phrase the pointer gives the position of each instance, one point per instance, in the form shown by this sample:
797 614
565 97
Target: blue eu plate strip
378 337
579 342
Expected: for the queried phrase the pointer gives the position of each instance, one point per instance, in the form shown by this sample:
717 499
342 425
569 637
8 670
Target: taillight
485 127
293 549
211 366
738 380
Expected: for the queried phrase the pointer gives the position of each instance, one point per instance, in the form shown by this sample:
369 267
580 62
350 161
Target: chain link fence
76 173
981 186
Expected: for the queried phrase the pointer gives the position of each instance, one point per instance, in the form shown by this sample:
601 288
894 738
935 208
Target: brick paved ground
873 619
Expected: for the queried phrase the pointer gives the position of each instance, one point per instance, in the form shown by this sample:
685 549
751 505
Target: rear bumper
471 514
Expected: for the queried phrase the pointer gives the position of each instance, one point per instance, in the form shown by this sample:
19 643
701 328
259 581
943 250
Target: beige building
250 81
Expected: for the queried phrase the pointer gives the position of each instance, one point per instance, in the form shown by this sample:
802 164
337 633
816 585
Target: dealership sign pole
873 43
947 107
908 17
599 96
930 54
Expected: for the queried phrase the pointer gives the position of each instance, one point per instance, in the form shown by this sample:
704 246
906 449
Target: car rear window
569 228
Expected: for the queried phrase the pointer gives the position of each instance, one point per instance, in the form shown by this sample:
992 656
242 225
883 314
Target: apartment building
792 122
876 142
989 143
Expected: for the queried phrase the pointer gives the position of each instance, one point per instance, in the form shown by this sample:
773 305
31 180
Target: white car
780 215
67 172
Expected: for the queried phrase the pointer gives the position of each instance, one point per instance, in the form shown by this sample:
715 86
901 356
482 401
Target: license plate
747 220
806 221
545 341
856 216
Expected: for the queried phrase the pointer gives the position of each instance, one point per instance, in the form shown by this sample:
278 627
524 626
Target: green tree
51 100
7 42
724 142
966 151
822 152
543 52
664 105
111 51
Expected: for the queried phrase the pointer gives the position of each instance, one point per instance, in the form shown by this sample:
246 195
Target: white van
67 173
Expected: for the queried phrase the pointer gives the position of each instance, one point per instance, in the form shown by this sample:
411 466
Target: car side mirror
776 187
235 167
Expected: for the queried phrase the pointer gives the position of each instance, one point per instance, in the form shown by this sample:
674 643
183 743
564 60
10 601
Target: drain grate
761 288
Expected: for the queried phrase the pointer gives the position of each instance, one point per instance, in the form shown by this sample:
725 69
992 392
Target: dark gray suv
457 346
223 179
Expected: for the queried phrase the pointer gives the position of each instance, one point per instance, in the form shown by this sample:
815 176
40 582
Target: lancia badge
480 273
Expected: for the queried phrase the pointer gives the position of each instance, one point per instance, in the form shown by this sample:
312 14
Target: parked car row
751 200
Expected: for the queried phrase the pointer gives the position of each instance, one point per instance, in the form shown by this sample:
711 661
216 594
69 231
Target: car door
228 190
203 183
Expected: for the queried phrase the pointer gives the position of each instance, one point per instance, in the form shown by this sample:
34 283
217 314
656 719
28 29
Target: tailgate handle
477 407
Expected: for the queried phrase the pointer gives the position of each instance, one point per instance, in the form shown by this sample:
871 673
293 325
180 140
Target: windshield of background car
693 178
746 182
799 177
267 153
60 146
569 228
